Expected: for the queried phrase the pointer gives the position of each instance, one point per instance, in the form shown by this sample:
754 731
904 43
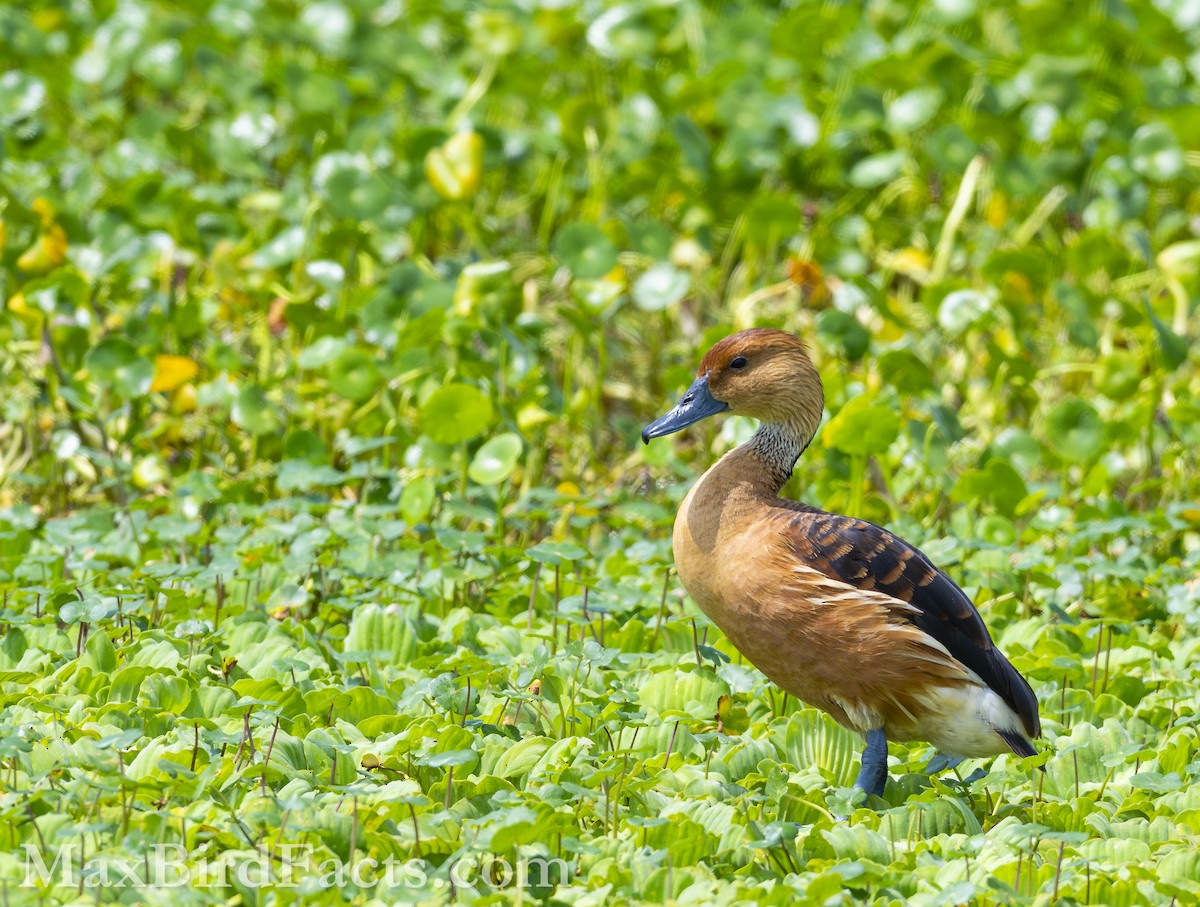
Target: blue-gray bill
693 406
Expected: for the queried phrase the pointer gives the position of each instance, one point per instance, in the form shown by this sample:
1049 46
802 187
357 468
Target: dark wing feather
867 556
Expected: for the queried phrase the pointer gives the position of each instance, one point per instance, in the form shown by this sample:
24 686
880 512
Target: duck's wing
868 557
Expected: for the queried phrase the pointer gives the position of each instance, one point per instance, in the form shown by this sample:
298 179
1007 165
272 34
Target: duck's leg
873 776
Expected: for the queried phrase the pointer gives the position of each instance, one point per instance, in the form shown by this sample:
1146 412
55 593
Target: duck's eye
737 363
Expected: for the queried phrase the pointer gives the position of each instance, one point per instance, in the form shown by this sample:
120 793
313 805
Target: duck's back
870 558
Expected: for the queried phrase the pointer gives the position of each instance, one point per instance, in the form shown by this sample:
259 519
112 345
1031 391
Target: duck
835 610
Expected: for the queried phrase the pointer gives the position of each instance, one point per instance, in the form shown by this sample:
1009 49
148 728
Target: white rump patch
962 721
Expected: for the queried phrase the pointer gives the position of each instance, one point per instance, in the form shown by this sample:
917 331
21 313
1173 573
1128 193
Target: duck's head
761 373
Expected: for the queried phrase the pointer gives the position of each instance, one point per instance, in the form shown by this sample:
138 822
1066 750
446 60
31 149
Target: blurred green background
333 209
310 309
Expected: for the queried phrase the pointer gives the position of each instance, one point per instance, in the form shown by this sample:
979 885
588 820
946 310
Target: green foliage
456 413
326 334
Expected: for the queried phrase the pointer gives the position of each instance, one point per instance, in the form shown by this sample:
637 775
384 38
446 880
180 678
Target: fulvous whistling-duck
835 610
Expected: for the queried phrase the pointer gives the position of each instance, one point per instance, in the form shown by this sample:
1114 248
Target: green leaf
496 459
650 238
450 758
114 362
771 219
487 287
877 169
961 309
386 631
857 843
585 250
660 286
862 427
905 371
288 595
693 144
1174 348
166 694
149 472
303 444
913 109
1180 261
322 352
354 375
100 652
1075 430
520 758
456 413
1155 152
1118 375
15 643
812 738
253 412
416 500
87 610
844 333
555 552
358 195
697 692
997 484
282 249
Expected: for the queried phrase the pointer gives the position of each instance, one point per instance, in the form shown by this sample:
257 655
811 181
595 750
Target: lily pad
255 413
585 250
456 413
661 286
1075 430
354 375
496 459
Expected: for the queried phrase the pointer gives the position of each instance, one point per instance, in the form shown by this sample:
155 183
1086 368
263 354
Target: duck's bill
693 406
